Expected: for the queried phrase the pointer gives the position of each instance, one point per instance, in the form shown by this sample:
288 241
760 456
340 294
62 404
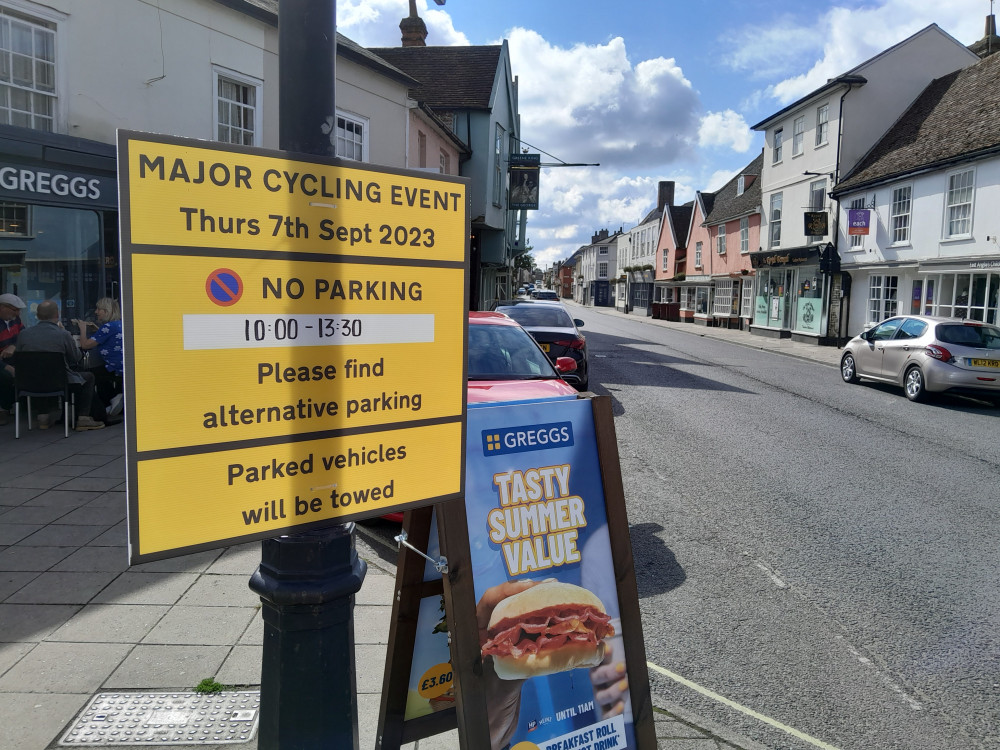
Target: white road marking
742 709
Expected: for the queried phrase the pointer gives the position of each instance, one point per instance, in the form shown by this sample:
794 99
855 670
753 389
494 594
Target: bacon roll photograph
552 627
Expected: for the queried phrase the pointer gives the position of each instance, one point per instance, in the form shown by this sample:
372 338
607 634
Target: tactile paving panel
113 719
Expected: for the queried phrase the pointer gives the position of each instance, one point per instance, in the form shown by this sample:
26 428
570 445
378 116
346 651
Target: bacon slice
547 629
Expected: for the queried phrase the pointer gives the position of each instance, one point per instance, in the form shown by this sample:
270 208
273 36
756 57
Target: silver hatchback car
926 354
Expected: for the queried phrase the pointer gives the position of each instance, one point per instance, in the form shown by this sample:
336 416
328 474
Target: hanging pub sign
858 221
816 224
524 181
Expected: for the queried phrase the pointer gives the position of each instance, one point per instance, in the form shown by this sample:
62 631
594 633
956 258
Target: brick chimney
414 29
990 43
665 195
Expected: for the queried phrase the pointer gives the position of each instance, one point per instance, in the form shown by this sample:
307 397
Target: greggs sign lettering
537 522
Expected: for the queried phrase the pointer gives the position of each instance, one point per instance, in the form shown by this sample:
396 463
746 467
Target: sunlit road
825 555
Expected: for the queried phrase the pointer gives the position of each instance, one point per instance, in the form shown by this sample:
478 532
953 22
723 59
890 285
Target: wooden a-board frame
457 587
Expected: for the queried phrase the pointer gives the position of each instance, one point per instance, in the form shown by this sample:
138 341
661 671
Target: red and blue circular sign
224 287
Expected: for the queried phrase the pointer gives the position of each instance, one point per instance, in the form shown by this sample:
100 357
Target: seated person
48 335
10 326
107 338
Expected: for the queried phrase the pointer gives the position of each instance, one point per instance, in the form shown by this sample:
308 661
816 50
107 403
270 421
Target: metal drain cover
114 719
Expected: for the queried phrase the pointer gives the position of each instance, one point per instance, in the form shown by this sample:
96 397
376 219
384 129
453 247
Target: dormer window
740 185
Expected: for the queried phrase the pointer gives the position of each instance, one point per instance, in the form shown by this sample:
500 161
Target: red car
506 364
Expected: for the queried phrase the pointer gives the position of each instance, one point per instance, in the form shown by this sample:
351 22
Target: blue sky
655 89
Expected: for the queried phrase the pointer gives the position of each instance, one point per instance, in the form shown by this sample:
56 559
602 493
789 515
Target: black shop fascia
58 220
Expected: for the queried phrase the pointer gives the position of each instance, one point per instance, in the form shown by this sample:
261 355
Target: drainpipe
851 81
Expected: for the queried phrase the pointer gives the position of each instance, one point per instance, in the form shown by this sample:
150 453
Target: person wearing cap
10 316
48 335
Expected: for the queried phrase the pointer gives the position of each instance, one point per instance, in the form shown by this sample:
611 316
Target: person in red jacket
10 326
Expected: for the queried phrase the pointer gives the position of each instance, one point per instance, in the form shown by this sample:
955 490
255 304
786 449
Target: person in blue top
108 340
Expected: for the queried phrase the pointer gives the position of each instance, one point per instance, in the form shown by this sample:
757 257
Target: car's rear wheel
848 368
913 384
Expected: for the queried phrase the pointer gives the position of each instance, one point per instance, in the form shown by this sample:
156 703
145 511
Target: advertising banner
547 602
857 221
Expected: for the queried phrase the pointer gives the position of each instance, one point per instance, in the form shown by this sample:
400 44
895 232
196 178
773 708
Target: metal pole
307 581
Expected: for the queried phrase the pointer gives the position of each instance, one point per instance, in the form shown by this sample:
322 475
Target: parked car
507 364
557 333
925 355
545 294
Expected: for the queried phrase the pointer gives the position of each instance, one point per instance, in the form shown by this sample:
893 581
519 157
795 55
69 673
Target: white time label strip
260 331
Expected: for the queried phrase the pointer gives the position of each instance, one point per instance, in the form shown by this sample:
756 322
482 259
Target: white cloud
727 129
588 103
375 23
840 39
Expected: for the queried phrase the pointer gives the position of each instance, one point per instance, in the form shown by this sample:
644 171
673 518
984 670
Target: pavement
77 623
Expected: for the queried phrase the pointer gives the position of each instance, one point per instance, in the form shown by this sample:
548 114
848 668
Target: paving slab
155 667
64 668
146 588
22 557
29 622
30 721
205 626
111 559
110 623
62 588
242 666
63 535
220 591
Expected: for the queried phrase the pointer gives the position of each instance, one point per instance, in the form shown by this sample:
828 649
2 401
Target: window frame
798 135
774 220
817 188
747 299
239 79
698 246
822 124
895 232
498 172
722 299
356 119
777 143
47 21
744 235
720 240
949 205
886 302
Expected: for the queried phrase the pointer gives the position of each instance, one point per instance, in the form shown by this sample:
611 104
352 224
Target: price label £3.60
436 681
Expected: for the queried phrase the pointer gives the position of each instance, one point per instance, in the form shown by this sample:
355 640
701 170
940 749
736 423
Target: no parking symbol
224 287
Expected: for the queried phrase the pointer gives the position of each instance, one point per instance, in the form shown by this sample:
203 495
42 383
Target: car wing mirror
578 323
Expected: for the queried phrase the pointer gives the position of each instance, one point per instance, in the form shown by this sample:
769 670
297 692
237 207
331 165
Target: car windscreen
538 316
979 336
506 353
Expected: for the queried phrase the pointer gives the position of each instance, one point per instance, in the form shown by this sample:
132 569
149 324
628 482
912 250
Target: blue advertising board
544 579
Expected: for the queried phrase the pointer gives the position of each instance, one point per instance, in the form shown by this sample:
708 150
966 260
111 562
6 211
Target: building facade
808 145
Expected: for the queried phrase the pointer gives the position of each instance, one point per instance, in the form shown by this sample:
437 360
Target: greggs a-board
295 341
544 579
540 597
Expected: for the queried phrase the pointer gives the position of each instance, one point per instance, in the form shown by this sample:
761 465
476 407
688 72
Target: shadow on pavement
656 568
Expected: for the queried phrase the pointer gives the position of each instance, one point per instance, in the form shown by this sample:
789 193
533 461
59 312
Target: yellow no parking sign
295 341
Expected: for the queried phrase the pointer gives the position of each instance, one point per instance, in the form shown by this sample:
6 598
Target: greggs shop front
58 221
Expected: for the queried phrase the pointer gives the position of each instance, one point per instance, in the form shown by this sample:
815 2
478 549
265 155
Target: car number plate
984 362
545 348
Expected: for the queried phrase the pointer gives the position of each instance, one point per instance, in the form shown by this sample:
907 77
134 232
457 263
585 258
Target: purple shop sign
857 220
